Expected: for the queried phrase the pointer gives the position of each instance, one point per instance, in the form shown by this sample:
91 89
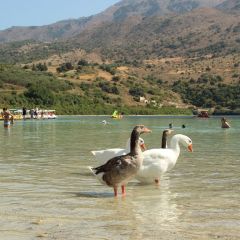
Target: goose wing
153 155
117 163
104 155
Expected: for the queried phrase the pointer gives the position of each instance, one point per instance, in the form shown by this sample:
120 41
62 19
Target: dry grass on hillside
172 69
167 70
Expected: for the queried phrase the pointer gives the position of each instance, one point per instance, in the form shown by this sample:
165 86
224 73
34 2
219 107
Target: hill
196 33
74 95
157 86
138 56
230 6
117 13
181 35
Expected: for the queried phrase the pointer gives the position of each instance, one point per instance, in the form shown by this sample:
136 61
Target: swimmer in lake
224 122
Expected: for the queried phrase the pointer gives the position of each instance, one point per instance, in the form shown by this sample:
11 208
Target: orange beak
147 130
143 147
190 148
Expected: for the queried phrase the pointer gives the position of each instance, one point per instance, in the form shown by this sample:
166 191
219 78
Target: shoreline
194 116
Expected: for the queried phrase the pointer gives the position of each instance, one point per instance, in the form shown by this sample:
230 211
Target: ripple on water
47 191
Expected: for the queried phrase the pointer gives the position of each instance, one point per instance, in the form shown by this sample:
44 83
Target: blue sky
43 12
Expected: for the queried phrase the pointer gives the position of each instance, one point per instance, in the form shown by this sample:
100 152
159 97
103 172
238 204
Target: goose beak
147 130
190 148
143 147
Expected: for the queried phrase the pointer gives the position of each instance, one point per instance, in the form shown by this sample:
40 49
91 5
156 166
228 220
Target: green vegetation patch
209 91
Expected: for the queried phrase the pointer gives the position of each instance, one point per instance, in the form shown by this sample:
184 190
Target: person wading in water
7 118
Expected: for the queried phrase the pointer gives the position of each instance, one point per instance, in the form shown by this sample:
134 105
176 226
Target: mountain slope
174 53
196 33
230 5
153 37
59 30
117 13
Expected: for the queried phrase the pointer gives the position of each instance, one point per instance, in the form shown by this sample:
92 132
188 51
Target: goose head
140 142
140 129
186 142
136 132
168 131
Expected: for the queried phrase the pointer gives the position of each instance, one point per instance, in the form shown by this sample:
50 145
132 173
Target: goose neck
164 140
134 144
174 144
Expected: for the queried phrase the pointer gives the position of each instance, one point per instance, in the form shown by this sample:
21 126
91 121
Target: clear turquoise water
47 191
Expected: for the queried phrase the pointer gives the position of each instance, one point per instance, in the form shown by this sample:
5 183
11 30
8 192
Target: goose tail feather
98 176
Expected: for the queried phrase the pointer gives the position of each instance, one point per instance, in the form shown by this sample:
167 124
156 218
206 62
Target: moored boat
32 114
203 114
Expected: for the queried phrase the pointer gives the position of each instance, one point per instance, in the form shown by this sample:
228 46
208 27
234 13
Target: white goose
104 155
158 161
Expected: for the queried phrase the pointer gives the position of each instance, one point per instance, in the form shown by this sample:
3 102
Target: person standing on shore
7 118
224 122
24 113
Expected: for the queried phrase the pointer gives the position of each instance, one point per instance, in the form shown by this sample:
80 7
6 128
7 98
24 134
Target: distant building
143 100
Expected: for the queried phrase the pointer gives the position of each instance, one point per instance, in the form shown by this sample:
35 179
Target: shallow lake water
47 191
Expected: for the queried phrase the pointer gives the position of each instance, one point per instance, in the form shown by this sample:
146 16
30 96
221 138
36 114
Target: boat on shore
203 114
48 114
31 114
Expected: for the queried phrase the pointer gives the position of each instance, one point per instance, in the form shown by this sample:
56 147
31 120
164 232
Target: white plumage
158 161
103 156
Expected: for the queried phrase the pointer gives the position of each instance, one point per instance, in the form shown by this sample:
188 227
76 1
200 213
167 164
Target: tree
40 95
83 62
136 92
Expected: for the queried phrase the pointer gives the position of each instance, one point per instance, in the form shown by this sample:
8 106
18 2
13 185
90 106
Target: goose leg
123 190
115 191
